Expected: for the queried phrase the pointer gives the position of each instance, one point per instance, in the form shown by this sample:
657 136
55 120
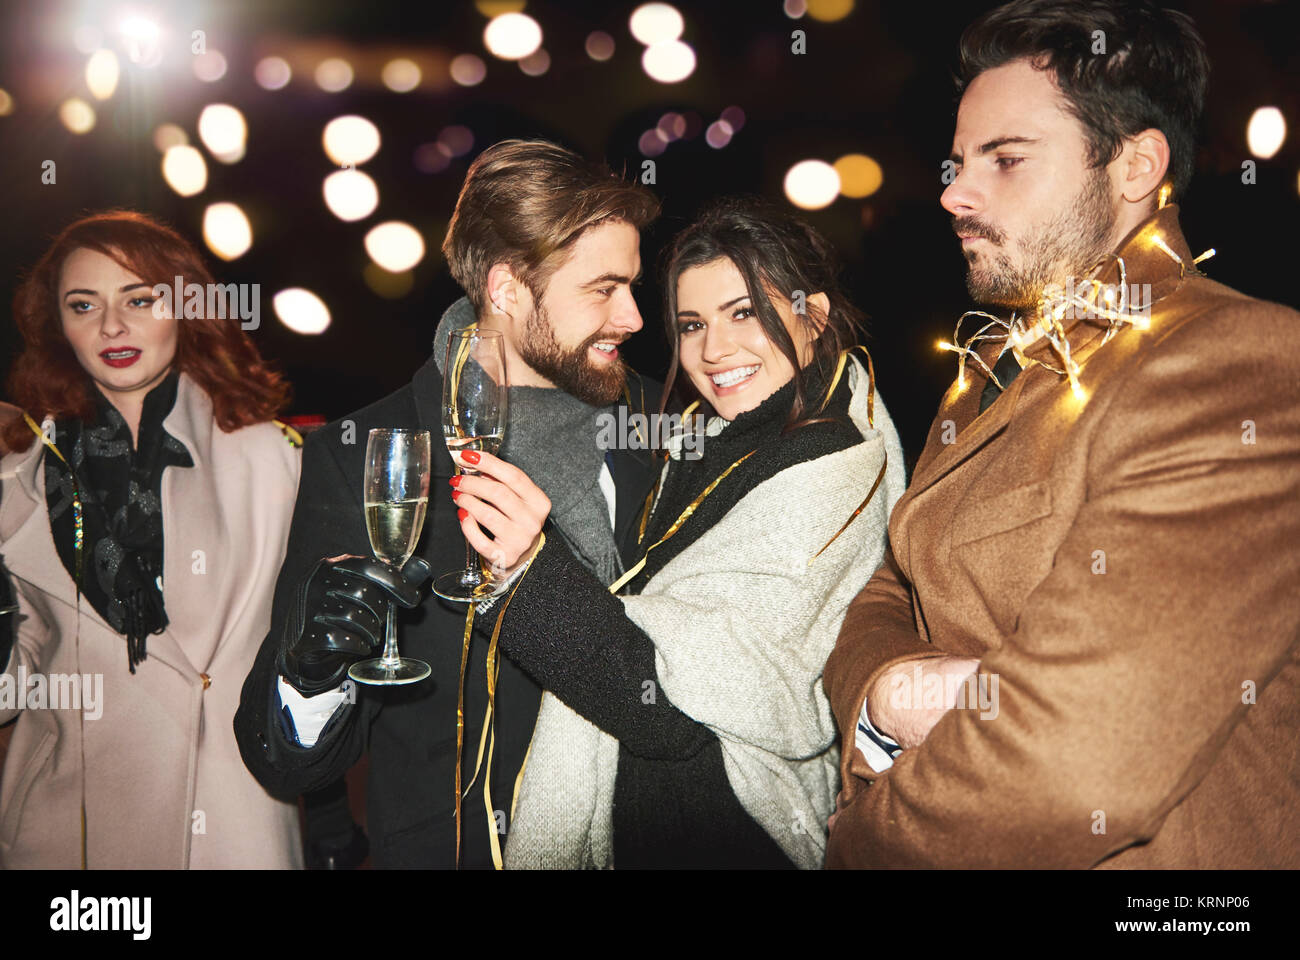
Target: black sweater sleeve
572 635
327 521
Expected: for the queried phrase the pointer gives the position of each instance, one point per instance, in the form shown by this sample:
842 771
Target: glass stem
390 657
472 574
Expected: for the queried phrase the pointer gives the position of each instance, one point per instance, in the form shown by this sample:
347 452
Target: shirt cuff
876 748
308 715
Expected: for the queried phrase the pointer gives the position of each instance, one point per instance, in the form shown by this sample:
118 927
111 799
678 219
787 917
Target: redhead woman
684 723
144 509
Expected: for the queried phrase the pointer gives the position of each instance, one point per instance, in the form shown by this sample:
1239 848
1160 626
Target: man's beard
572 371
1065 246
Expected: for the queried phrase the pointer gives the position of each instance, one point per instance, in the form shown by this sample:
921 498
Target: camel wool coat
164 783
1128 567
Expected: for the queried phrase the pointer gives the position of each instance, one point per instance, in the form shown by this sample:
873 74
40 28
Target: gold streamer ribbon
460 719
78 539
489 724
685 515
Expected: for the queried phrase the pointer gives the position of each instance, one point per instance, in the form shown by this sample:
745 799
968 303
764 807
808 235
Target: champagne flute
396 496
474 402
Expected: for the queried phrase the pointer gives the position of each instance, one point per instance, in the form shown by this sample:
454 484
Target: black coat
409 731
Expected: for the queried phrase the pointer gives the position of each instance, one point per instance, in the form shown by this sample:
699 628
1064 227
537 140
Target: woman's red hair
48 380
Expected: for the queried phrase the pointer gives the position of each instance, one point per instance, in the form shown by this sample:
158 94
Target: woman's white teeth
604 347
121 354
733 376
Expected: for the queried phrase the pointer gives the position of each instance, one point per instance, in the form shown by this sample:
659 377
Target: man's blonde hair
524 203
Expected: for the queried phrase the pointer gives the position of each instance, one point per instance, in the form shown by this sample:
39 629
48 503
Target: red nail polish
454 481
455 494
471 456
462 513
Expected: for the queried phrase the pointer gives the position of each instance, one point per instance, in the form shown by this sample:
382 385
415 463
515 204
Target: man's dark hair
1152 74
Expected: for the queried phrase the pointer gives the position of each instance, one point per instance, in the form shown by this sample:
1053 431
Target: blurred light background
316 147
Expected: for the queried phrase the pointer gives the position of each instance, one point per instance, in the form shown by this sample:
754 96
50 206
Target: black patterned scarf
121 496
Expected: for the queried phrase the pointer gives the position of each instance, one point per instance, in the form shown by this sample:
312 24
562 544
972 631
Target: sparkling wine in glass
396 497
474 402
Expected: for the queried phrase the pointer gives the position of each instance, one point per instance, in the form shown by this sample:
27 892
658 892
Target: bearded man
1081 650
546 246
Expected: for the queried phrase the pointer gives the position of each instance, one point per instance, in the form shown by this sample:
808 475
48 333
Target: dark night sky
877 82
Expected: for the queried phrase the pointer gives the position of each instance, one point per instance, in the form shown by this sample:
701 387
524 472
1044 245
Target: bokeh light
812 184
211 66
350 195
719 134
390 286
669 61
395 246
142 38
494 8
6 103
432 158
401 75
468 70
350 140
223 131
653 23
828 11
184 170
77 115
734 116
600 45
1266 132
301 310
167 135
456 140
536 63
860 175
272 73
334 75
101 74
226 230
652 143
512 36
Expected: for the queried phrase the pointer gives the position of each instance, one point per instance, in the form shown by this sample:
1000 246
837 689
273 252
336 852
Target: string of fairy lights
1053 305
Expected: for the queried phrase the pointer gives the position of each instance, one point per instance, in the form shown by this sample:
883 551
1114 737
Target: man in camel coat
1115 553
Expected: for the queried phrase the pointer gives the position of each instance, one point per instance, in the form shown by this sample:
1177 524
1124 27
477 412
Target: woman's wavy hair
48 380
776 253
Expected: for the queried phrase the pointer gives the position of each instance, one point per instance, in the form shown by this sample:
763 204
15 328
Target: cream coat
164 783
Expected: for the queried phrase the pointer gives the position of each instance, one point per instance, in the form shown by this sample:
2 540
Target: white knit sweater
742 625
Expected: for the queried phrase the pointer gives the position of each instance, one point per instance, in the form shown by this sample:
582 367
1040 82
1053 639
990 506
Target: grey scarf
551 436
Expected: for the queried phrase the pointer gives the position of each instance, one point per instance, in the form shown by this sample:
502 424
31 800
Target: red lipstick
120 356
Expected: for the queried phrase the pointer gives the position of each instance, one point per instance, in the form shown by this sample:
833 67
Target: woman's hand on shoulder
503 500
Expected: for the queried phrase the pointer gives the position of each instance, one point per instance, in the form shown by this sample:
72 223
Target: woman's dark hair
48 379
776 253
1152 73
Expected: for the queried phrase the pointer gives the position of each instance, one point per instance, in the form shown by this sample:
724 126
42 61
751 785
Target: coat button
207 681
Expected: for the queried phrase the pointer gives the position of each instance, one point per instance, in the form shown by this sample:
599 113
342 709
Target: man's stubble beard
1065 246
570 370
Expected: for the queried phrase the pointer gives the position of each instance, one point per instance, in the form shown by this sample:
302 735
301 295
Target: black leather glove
8 617
338 617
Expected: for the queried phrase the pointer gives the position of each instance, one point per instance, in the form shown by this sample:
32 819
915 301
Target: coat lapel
984 428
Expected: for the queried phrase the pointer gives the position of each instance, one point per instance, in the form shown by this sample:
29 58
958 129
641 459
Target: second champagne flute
398 463
474 406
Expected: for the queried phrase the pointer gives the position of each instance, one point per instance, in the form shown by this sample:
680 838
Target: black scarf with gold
121 498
